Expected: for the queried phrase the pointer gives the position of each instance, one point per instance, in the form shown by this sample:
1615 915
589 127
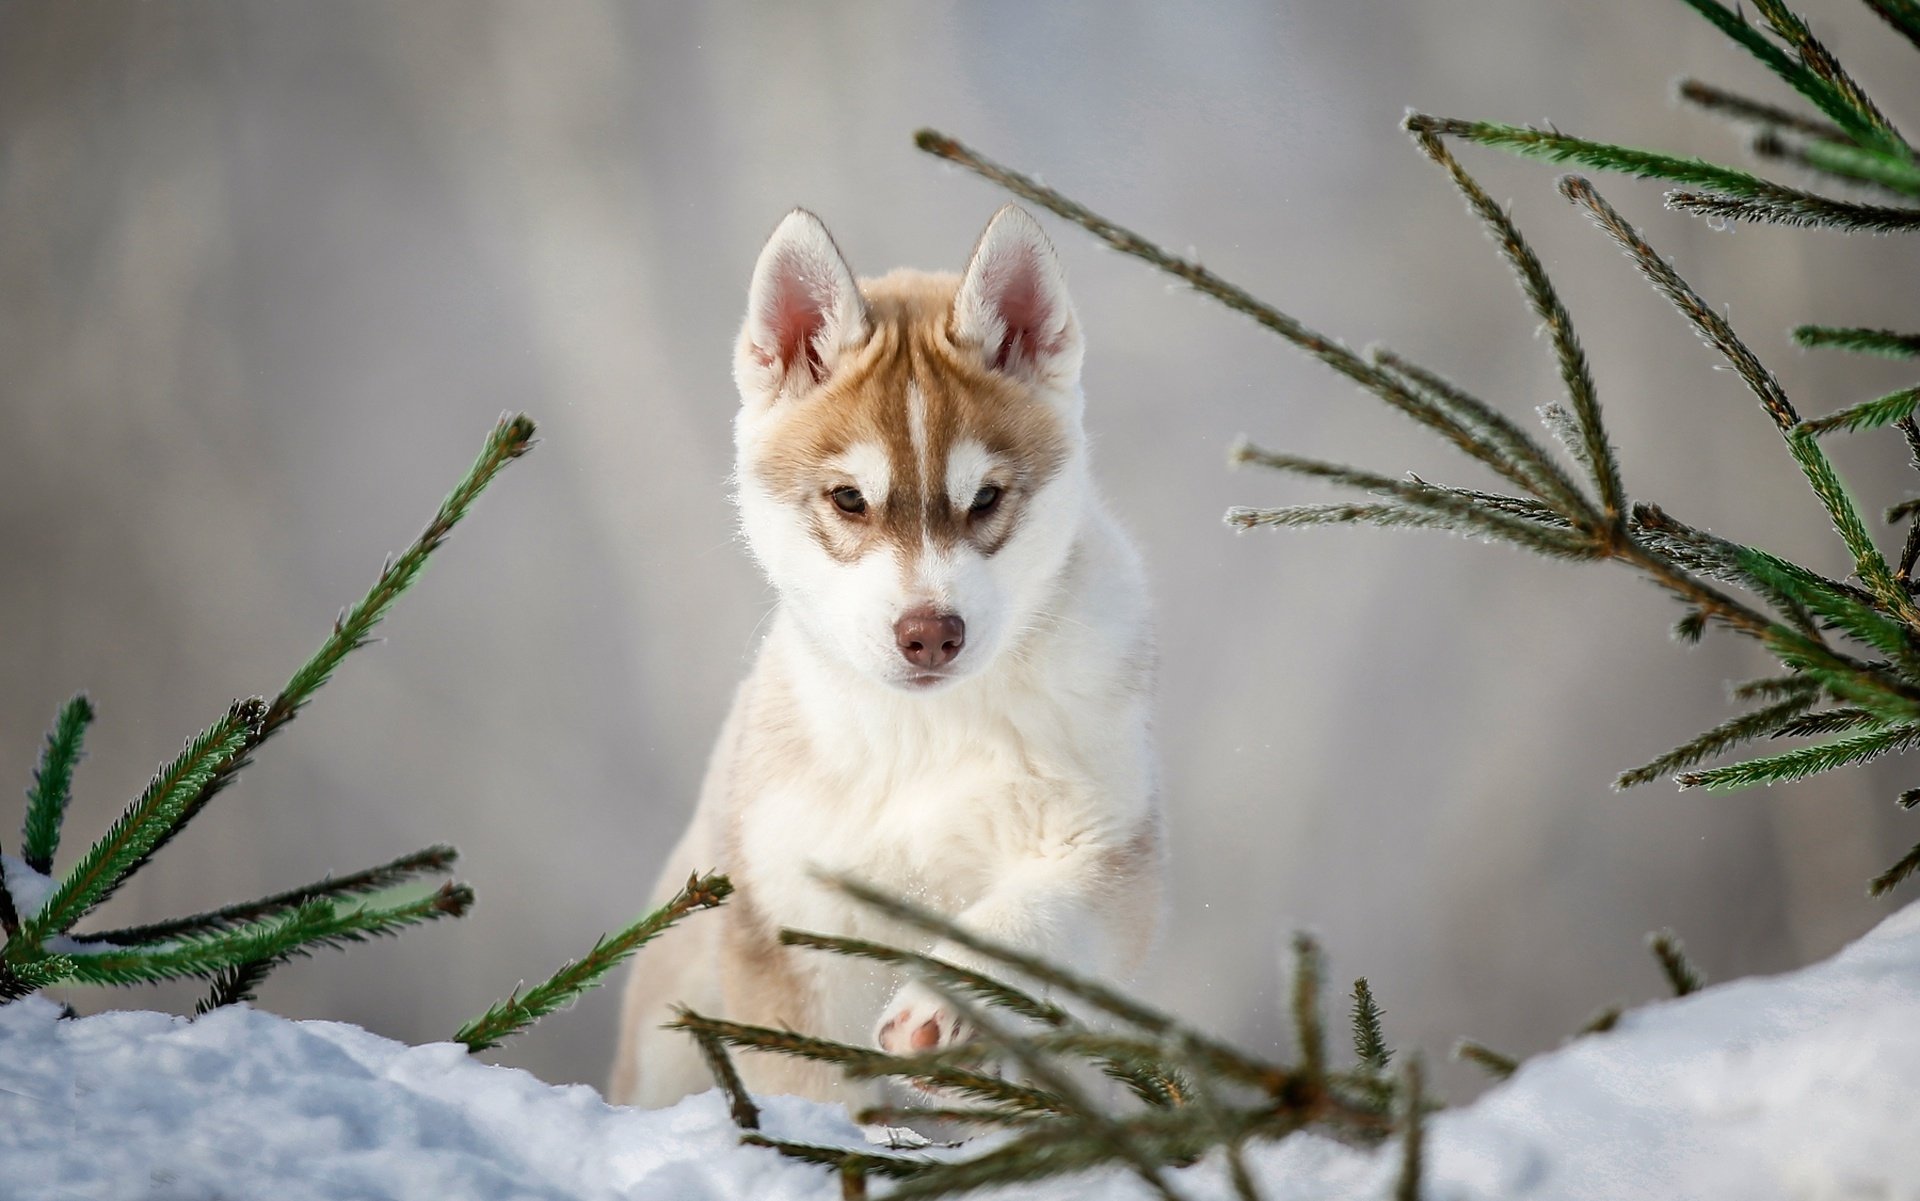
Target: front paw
919 1020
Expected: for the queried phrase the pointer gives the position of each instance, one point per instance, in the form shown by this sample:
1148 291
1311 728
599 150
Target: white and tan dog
952 700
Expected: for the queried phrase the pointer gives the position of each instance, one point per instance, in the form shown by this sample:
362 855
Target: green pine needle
144 823
519 1011
53 785
1681 975
1883 342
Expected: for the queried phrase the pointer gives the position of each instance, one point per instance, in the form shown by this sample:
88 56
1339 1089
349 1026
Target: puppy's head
911 464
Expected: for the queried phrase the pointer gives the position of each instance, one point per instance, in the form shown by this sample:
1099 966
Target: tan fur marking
866 400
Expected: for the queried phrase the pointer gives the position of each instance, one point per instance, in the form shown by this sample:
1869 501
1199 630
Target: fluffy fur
912 445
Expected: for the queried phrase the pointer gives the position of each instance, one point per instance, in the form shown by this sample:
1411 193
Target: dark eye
849 500
985 499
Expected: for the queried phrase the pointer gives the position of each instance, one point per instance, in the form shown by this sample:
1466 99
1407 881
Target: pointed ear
803 312
1013 303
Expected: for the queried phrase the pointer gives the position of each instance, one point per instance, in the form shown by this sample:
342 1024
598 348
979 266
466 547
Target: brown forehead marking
868 400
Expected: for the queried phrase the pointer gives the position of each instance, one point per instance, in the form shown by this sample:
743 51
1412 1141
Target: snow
29 889
1799 1086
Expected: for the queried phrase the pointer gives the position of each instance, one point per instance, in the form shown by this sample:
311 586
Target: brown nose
929 639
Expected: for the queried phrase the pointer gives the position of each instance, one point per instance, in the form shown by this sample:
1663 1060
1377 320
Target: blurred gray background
268 272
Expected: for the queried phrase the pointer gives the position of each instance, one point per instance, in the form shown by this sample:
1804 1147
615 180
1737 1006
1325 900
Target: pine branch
1681 975
1824 95
1461 509
893 1167
964 980
1723 737
1741 108
1883 342
1714 329
867 1062
1369 1044
299 933
1831 721
1412 1132
517 1012
53 785
1867 415
1888 880
1308 1030
1801 762
511 437
1203 1049
1488 1060
430 861
1383 515
746 1115
1818 59
144 824
235 984
1775 687
1902 15
1601 1022
1575 375
1534 468
1803 210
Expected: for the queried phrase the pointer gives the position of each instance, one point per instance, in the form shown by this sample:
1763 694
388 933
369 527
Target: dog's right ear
803 312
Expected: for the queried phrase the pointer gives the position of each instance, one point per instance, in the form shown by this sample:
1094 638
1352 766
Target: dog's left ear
1013 304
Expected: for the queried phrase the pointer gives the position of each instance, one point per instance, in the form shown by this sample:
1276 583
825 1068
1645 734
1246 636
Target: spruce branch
1803 210
1830 721
511 437
1883 342
1488 1060
53 785
519 1011
930 1071
1801 762
1464 512
952 976
1204 1050
892 1167
145 822
1886 881
1308 1031
1723 737
430 861
1681 975
1413 1115
1820 61
236 984
1575 375
1822 92
312 926
1742 108
1369 1044
1867 415
1774 687
1716 332
746 1115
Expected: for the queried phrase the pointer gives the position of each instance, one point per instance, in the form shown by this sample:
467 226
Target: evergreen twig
1413 1116
746 1115
1308 1031
53 785
1681 975
1488 1060
1883 342
1369 1044
1902 15
1742 108
1723 737
519 1011
233 985
431 860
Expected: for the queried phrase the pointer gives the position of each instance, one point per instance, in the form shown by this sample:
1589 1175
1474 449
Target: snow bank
1800 1086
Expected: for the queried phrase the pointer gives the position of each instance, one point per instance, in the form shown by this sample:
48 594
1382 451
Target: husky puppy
951 702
